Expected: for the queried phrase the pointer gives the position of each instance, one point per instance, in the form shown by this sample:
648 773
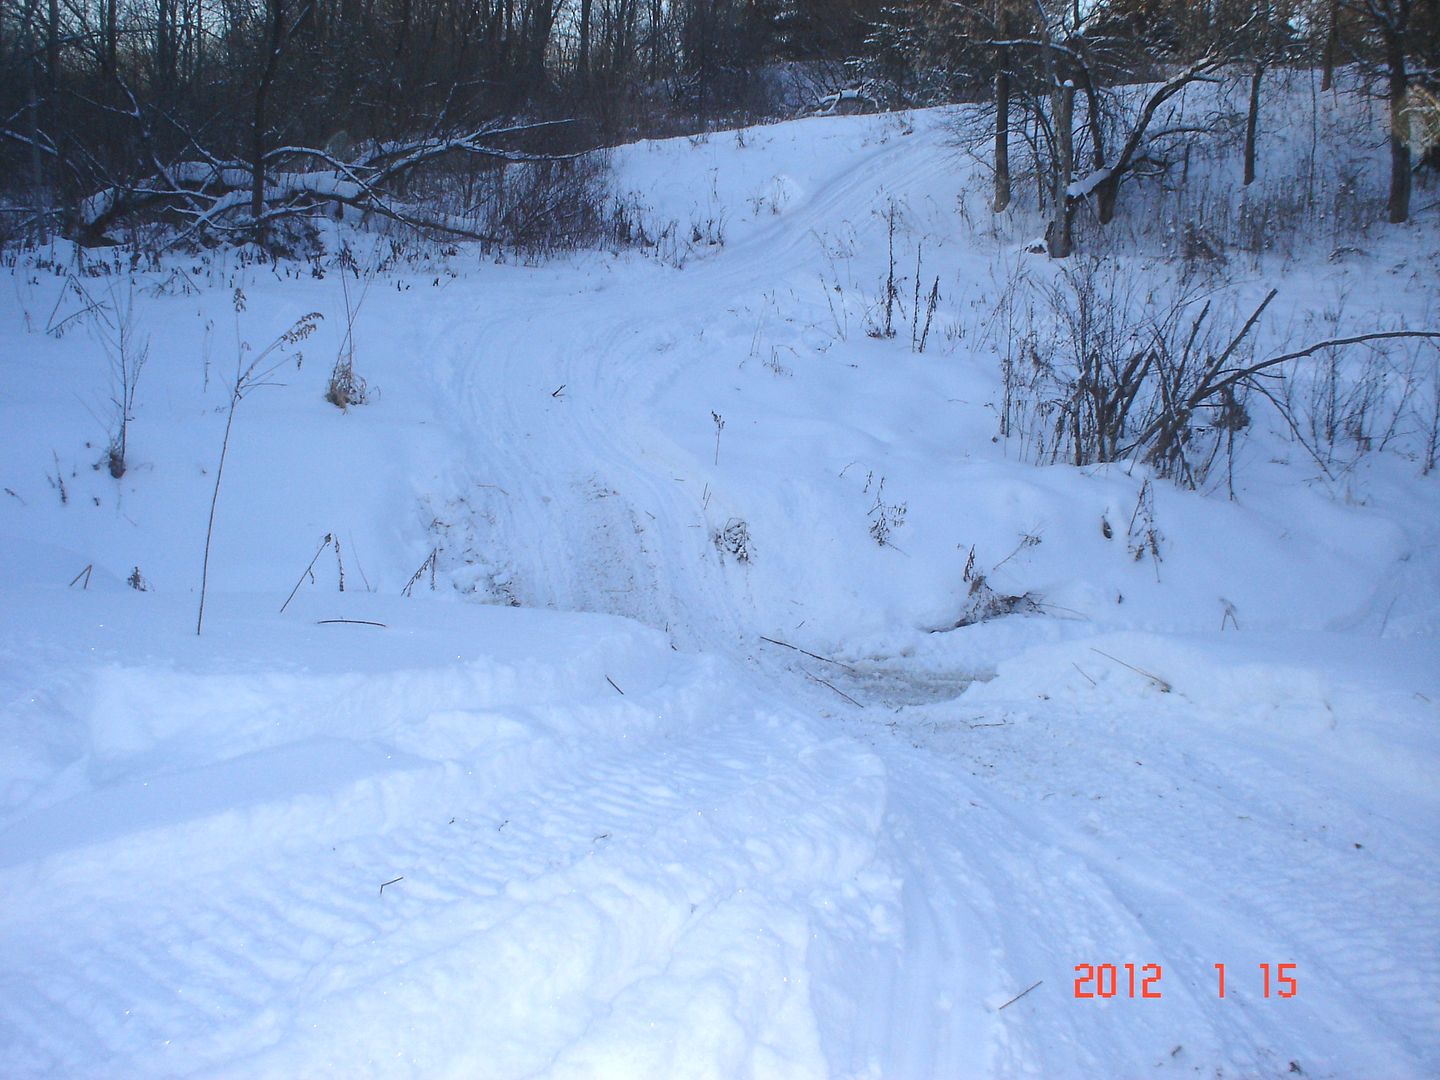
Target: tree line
235 114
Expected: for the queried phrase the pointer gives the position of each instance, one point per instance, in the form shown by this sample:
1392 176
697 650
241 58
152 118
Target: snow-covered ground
677 771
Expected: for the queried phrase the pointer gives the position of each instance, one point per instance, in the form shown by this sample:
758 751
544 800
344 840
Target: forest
237 120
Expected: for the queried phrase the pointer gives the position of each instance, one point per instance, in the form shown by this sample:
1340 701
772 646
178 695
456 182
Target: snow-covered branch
210 194
41 143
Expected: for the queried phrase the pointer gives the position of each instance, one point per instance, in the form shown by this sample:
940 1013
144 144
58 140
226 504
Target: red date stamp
1142 981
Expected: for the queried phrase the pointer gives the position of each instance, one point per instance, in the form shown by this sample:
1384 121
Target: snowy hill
755 707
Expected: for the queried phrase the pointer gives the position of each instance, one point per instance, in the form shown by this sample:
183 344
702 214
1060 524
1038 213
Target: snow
580 811
1086 185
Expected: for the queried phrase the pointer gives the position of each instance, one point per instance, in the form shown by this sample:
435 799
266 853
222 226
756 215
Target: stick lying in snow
807 652
1163 686
1022 993
837 690
353 622
392 881
612 683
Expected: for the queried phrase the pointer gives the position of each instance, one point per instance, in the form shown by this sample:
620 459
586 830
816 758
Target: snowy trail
625 532
991 885
525 884
617 508
604 489
615 850
599 512
1021 857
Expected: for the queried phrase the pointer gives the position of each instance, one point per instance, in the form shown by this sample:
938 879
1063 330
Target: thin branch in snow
832 686
1163 686
807 652
1018 996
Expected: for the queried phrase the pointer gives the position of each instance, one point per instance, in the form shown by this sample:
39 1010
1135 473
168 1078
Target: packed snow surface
681 767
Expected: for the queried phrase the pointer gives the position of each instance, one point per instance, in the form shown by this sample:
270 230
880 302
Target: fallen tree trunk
208 195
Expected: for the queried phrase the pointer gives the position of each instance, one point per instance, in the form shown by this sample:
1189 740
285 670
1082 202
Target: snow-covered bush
1097 368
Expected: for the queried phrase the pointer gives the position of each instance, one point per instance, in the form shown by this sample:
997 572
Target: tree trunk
627 53
257 141
1252 119
1062 108
583 66
108 44
39 191
62 188
198 52
1332 46
1107 193
1094 123
164 43
1059 241
52 55
1399 131
1002 139
540 21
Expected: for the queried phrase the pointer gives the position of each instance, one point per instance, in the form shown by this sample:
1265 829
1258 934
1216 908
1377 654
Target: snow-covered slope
678 771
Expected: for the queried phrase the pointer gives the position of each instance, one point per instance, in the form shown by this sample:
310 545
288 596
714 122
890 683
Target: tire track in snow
989 890
1079 880
918 1009
597 511
553 917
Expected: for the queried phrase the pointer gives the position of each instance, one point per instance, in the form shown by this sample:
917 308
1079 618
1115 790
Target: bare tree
278 36
1002 132
1389 23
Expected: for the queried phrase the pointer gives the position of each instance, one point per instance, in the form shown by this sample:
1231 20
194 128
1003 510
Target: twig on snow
837 690
807 652
1163 686
1018 996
